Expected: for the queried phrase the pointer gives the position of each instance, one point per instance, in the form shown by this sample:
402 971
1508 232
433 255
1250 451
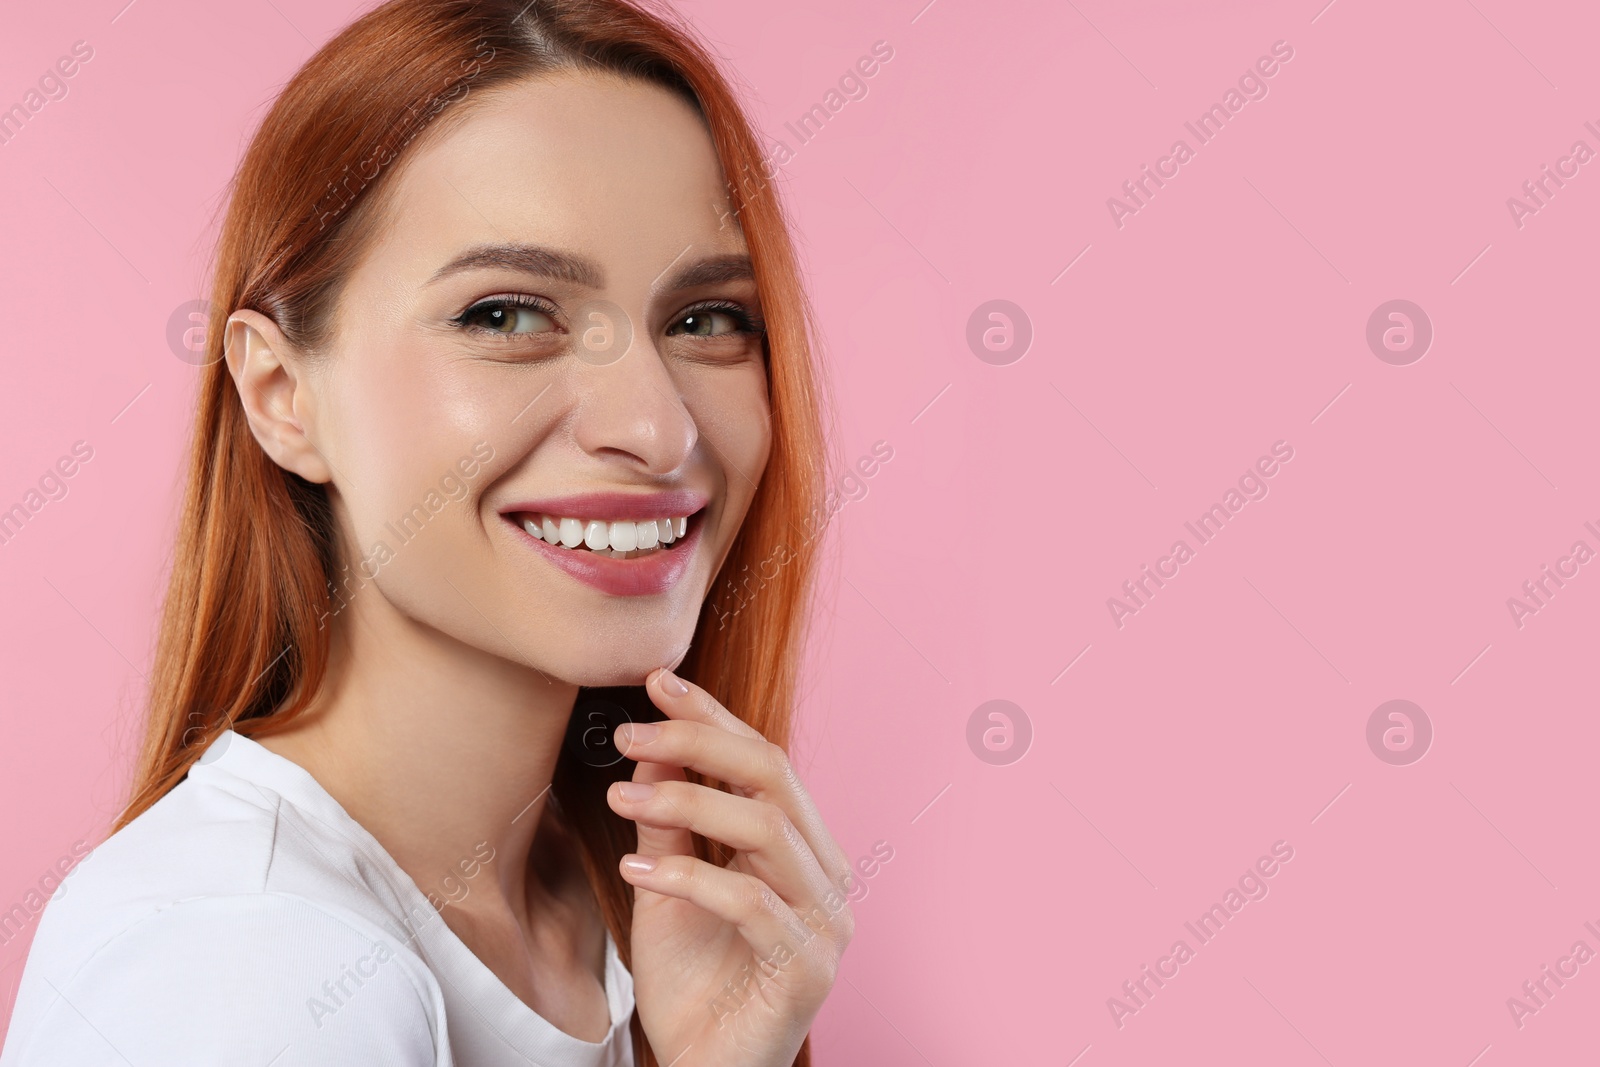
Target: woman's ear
278 395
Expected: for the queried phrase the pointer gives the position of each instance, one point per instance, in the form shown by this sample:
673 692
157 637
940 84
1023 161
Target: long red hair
240 644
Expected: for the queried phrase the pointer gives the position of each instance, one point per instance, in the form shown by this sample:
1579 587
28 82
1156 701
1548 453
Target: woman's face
546 366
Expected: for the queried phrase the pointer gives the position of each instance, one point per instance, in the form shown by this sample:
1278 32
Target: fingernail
637 733
639 864
636 790
673 684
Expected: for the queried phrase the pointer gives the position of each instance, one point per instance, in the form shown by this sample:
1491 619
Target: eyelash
746 321
463 320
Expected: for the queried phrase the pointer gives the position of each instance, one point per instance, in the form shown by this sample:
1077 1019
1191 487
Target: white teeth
624 536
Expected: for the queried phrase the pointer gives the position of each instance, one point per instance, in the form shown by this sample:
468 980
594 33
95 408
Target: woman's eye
707 324
510 319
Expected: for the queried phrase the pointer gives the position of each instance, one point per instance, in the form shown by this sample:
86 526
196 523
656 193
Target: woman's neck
442 751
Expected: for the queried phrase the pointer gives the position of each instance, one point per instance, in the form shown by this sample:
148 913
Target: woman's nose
629 406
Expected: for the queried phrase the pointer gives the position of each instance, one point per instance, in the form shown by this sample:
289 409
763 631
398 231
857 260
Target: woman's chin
629 666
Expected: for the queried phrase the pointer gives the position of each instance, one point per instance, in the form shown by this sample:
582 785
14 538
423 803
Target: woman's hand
730 964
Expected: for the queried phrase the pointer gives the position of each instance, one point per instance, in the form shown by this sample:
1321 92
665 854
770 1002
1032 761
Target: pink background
1224 316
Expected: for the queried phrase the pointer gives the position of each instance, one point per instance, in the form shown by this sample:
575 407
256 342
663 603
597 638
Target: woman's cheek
404 430
730 407
387 412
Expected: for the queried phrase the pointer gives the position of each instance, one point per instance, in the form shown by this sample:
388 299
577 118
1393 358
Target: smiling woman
529 275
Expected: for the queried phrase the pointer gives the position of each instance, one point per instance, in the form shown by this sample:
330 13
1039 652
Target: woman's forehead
620 168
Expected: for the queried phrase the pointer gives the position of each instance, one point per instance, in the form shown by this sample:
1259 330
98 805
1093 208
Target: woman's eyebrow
530 259
714 270
570 267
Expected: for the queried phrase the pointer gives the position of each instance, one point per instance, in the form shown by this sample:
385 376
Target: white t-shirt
245 920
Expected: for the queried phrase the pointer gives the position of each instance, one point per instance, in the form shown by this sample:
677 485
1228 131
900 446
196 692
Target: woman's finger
752 764
680 699
769 846
656 839
766 923
704 736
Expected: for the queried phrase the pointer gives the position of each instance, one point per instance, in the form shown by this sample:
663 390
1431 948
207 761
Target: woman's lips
653 572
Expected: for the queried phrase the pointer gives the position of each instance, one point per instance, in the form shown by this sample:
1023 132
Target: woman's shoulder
241 978
223 918
242 824
210 836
